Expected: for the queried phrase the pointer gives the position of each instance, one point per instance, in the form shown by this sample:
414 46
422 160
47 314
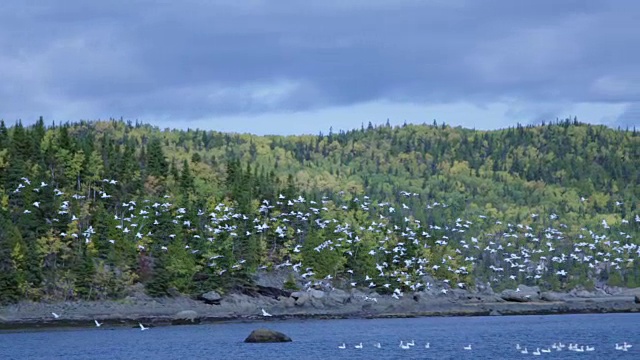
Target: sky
292 67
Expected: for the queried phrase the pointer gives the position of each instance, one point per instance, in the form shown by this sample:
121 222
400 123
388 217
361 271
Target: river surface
489 337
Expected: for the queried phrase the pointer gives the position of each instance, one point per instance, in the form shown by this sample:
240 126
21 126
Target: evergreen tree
9 277
157 164
160 281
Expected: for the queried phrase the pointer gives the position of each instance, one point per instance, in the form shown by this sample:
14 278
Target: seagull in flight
55 315
266 314
98 324
142 328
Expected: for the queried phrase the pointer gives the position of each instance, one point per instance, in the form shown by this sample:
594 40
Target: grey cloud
197 58
630 117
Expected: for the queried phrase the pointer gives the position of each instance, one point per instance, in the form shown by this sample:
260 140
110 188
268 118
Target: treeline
63 190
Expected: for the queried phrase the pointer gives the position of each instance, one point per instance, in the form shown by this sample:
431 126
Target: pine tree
83 272
159 284
186 179
157 164
9 279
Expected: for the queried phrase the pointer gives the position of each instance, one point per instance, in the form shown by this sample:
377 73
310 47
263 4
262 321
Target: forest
91 208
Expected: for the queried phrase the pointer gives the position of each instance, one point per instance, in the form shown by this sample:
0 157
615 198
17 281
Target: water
490 337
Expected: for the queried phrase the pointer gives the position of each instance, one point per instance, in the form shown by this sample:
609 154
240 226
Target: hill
89 209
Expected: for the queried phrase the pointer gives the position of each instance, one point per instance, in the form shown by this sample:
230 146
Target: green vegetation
89 209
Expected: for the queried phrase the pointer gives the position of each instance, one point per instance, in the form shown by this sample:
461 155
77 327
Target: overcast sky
291 66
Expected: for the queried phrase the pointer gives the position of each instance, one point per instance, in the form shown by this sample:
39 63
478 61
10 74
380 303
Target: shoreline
17 318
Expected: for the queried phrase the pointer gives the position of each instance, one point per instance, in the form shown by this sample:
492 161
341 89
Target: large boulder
339 296
211 298
300 297
551 296
316 294
522 294
186 317
266 336
583 294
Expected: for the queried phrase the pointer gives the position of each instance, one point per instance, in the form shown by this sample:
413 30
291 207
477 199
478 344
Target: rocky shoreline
247 305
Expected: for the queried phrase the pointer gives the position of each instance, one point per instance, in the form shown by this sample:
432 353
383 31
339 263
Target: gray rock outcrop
522 294
300 297
551 296
339 296
211 298
186 317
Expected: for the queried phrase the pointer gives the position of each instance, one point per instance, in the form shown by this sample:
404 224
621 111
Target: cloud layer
196 59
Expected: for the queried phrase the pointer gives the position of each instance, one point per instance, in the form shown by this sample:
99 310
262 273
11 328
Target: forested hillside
91 208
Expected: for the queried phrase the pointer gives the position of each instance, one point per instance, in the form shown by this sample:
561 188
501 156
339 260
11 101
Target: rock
211 298
522 294
636 299
512 295
550 296
484 289
316 294
266 336
495 313
300 297
257 291
317 303
287 301
339 296
584 294
186 317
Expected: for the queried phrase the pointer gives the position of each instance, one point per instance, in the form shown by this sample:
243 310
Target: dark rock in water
266 336
186 317
637 299
211 298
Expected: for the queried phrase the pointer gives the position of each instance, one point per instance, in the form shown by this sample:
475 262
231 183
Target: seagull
266 314
98 324
55 315
142 328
